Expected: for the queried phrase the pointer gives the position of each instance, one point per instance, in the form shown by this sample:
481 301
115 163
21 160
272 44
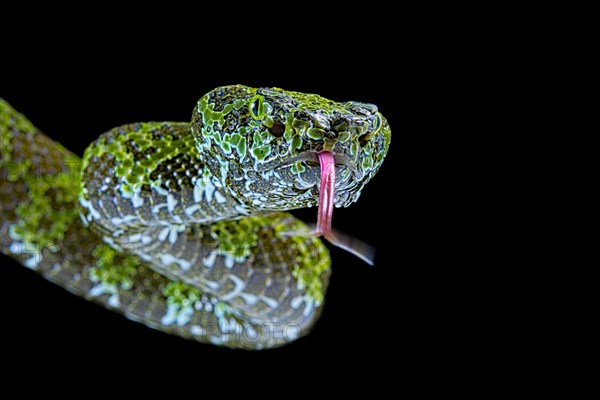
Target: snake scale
183 226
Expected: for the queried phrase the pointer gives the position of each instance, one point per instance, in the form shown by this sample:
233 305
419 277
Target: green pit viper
182 226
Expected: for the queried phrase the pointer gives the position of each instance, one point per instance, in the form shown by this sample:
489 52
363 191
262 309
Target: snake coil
182 226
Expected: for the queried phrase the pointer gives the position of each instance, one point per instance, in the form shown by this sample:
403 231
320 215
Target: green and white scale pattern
182 226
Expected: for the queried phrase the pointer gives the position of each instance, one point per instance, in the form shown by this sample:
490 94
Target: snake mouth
312 157
308 177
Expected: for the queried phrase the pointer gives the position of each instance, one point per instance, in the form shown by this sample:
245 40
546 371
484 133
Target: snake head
264 144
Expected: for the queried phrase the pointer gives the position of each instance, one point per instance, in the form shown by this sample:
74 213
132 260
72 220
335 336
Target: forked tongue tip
325 214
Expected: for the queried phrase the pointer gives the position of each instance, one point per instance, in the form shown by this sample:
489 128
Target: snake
185 226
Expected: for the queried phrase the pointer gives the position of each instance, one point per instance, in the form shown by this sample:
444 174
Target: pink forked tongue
326 194
326 199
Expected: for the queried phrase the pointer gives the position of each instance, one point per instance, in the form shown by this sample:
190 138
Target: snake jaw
325 214
346 167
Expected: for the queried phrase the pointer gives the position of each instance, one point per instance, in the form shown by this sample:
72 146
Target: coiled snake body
181 226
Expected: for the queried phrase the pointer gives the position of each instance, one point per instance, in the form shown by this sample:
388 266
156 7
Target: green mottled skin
182 226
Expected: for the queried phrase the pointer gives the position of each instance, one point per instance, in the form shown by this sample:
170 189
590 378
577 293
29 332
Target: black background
399 309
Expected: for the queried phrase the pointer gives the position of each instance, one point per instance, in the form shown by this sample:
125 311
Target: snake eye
256 107
277 129
377 124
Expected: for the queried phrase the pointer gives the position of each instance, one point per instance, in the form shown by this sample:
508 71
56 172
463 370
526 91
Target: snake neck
128 183
162 203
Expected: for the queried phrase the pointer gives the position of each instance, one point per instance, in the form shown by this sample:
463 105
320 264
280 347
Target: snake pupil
256 106
277 129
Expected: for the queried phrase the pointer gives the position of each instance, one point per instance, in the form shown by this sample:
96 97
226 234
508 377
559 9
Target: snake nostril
364 139
278 129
